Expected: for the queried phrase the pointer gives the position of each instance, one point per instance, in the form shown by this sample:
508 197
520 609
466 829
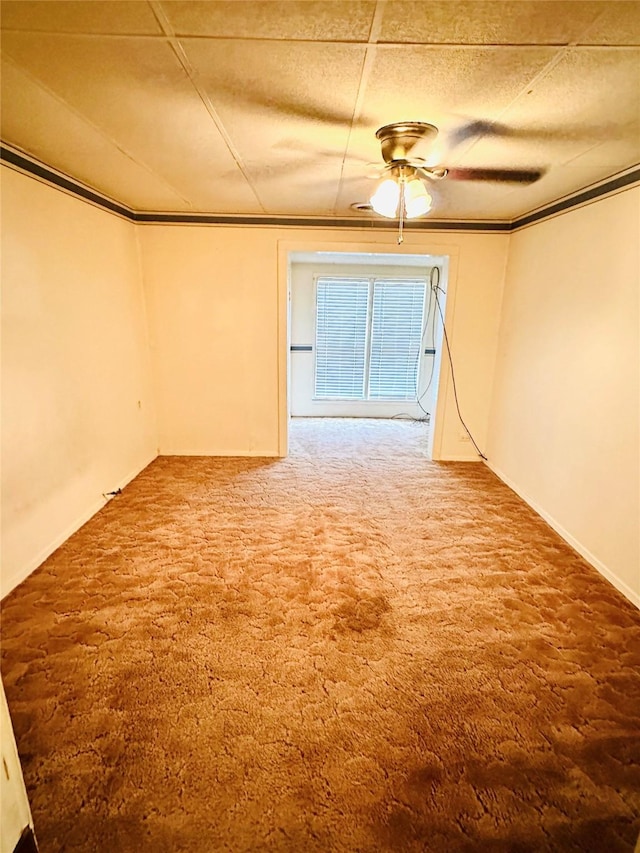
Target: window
342 319
368 336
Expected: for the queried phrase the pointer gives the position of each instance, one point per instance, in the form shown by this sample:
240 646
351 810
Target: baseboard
240 452
76 524
606 572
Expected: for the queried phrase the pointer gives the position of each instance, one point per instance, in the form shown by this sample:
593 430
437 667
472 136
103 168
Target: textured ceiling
270 108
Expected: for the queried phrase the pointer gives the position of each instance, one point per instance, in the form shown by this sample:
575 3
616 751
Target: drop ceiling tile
135 92
29 113
488 21
508 154
604 160
305 192
268 98
272 19
589 99
465 201
516 200
619 23
290 83
357 186
449 87
610 157
75 16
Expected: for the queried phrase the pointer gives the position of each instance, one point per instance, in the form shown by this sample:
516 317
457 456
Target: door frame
418 245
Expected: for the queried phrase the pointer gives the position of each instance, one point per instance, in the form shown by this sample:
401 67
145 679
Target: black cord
108 495
431 314
427 414
405 416
453 377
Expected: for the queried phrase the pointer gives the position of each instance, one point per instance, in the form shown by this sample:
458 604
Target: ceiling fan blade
311 112
503 176
284 104
475 129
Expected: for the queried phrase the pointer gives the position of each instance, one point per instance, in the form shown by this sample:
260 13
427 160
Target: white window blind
368 338
342 307
396 333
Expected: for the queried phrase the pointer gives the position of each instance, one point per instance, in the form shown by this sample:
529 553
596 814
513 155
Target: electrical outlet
464 437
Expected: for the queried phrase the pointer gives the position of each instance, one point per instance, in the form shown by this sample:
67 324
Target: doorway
364 334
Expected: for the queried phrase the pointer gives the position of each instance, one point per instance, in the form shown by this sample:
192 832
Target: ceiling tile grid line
367 65
530 87
598 17
399 45
183 59
524 91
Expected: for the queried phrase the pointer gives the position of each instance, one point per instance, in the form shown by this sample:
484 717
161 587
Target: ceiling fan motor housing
398 139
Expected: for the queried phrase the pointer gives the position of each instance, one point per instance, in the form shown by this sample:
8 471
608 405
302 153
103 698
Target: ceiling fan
402 193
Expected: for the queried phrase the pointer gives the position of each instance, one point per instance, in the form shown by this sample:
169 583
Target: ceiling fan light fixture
417 200
386 198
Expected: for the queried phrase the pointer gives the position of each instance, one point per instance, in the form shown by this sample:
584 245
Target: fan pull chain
401 220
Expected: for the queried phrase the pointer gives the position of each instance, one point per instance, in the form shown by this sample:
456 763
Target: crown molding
41 171
45 173
611 185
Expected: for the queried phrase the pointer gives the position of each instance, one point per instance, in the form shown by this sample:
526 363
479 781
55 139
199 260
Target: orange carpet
352 649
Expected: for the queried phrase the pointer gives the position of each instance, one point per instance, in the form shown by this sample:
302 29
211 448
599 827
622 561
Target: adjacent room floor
351 649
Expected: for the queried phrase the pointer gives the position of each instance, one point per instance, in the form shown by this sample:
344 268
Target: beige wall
212 301
77 408
474 299
217 309
78 398
564 426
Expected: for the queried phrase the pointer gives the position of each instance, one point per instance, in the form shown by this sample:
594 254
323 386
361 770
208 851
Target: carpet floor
351 649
